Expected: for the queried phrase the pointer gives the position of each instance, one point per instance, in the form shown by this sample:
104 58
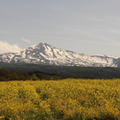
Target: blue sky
84 26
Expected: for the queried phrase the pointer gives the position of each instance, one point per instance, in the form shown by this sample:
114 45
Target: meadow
69 99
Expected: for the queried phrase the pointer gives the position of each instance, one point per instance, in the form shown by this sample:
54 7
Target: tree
34 77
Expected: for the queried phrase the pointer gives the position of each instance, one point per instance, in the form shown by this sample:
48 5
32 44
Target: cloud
26 40
6 47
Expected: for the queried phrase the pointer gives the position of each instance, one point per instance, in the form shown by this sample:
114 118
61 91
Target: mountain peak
39 45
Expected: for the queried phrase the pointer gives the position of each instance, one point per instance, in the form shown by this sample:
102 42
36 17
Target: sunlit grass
70 99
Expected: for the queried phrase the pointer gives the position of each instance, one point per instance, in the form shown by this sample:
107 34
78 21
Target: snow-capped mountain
44 53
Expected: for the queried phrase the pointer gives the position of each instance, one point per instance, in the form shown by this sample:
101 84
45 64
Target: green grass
70 99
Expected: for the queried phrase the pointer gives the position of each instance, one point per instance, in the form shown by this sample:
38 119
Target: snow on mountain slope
44 53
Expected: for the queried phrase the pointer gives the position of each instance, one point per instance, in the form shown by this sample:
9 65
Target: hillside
16 71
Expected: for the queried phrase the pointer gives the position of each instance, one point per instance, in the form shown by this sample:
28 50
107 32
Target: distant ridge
44 53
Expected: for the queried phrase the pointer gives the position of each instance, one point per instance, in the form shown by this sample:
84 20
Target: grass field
70 99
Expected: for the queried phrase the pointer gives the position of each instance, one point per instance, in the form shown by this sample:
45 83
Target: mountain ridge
43 53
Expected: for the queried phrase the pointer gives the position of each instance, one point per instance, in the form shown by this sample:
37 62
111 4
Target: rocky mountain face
44 53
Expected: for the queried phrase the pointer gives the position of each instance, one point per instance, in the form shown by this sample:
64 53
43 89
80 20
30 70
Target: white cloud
6 47
26 40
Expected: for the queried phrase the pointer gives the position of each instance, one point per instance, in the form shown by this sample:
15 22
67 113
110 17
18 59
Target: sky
83 26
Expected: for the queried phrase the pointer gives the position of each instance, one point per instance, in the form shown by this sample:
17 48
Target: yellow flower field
69 99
